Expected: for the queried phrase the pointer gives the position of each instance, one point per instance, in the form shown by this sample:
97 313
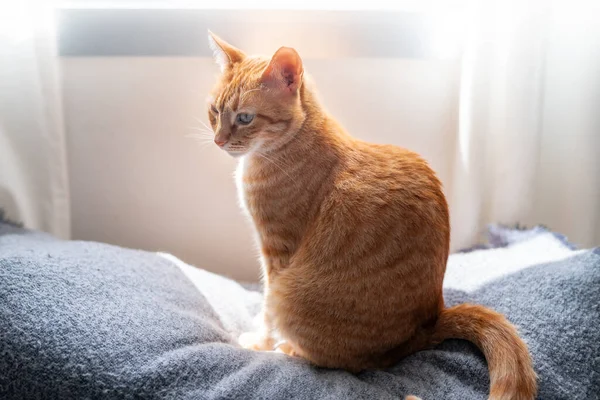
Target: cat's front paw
285 348
255 341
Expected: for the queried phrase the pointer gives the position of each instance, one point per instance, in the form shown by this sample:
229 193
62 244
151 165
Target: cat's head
256 104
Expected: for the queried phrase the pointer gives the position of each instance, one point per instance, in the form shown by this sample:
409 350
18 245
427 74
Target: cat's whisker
203 123
278 161
200 138
203 144
275 164
248 91
202 141
201 130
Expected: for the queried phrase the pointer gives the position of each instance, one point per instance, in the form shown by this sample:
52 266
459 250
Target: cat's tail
511 371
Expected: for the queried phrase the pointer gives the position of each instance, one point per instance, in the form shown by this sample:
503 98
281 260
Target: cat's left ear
225 54
285 70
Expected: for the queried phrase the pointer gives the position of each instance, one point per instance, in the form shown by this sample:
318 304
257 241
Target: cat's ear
225 54
285 70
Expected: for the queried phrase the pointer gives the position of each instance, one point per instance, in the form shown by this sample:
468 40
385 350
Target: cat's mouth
236 151
242 148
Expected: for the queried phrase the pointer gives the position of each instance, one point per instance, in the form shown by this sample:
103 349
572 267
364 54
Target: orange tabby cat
354 236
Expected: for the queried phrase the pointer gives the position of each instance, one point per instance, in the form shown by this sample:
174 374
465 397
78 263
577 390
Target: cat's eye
244 119
213 109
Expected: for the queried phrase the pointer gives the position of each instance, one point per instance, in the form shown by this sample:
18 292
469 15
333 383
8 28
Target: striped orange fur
354 236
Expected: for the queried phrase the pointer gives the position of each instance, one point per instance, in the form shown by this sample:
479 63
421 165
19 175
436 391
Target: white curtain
528 145
528 82
33 165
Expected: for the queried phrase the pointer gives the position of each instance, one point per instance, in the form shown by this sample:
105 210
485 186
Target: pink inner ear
284 70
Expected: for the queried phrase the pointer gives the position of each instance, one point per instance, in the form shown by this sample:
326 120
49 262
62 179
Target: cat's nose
220 142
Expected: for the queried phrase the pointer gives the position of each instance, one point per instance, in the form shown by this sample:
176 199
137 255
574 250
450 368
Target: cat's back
383 174
385 201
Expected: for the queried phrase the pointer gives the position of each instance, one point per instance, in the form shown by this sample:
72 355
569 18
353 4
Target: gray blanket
82 320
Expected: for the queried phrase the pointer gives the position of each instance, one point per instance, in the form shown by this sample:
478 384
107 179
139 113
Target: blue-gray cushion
83 320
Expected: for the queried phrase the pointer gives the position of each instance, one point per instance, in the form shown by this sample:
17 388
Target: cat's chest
257 196
268 210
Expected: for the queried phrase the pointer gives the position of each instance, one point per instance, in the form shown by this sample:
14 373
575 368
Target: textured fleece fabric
84 320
